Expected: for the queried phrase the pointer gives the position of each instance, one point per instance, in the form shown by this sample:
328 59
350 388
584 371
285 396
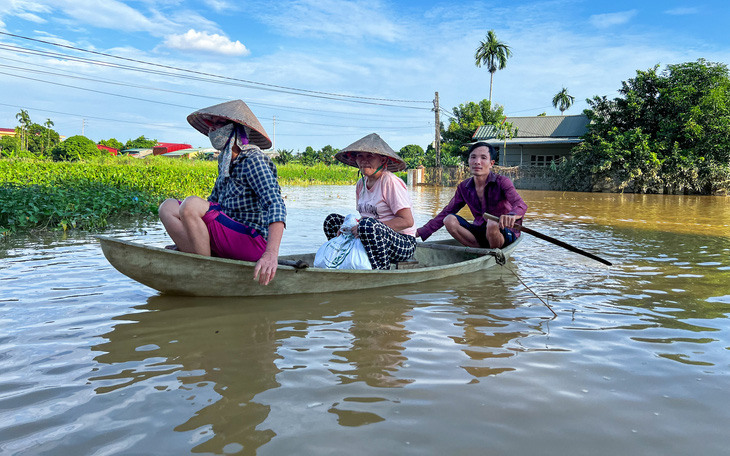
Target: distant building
7 132
137 153
539 139
111 150
198 152
163 148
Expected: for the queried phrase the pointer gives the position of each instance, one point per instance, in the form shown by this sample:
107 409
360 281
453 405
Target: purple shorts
231 239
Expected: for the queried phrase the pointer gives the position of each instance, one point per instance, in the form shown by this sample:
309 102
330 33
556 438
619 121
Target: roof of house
540 128
192 150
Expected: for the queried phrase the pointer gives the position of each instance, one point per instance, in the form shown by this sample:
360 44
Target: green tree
494 54
48 124
9 146
309 157
76 148
140 143
563 100
413 155
24 120
326 155
284 156
40 139
113 143
667 132
467 118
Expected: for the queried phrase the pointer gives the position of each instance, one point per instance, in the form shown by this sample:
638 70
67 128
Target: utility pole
274 136
437 142
83 125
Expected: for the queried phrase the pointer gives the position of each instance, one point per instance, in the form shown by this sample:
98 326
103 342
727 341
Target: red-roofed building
111 150
163 148
7 131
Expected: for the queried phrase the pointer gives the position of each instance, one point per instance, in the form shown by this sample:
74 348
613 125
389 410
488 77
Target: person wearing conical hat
484 192
244 216
386 227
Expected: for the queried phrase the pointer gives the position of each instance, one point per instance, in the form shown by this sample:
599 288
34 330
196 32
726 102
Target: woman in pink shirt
386 227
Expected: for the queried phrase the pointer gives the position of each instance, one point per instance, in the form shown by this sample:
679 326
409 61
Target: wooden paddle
553 240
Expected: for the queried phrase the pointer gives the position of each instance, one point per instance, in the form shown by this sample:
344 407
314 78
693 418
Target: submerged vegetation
42 194
667 132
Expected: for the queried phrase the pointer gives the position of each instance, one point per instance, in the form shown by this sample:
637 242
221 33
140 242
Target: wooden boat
179 273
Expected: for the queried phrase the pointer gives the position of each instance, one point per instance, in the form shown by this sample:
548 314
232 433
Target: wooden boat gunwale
181 273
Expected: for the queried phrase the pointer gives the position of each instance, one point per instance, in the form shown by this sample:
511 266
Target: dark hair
493 153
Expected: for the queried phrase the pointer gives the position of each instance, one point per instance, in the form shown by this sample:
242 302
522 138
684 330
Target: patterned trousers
382 244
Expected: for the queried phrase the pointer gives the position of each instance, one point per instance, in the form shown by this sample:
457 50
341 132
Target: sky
327 72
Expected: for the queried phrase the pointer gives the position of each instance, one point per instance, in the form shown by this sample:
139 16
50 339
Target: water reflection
92 362
214 364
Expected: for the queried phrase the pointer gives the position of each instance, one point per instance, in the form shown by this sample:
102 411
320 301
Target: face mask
219 138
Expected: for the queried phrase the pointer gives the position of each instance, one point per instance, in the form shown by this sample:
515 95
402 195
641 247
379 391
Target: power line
304 91
338 114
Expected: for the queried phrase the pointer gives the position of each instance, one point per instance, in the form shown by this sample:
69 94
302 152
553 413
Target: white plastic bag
343 251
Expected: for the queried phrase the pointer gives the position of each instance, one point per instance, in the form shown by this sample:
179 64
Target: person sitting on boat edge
244 217
484 192
386 227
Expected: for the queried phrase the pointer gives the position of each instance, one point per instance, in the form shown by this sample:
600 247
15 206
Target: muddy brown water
636 362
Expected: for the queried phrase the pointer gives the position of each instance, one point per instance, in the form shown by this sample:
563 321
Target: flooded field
637 360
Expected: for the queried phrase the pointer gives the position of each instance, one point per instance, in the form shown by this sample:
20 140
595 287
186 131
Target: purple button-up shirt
499 195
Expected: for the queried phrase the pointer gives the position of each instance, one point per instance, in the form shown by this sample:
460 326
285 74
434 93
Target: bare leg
184 223
494 236
460 233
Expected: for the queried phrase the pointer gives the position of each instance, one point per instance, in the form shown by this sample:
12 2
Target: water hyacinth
41 194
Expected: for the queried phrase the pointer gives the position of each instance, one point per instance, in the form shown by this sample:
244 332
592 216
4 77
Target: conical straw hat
375 145
235 111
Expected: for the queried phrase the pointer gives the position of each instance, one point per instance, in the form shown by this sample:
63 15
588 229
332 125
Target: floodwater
637 360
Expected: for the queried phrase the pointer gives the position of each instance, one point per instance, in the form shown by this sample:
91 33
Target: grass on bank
40 194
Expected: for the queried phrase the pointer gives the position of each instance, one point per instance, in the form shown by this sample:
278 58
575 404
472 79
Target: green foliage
9 146
41 194
87 206
112 142
467 118
140 143
413 155
667 132
311 157
42 140
450 156
76 148
284 156
300 174
563 100
493 54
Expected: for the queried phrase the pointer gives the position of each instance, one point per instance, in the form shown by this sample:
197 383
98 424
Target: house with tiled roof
539 140
7 132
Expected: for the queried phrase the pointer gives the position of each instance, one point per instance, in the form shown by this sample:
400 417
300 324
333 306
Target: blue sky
292 61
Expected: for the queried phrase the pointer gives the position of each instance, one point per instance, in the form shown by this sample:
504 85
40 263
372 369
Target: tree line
33 140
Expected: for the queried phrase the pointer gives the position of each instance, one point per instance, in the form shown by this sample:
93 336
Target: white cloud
220 5
611 19
682 11
354 19
205 42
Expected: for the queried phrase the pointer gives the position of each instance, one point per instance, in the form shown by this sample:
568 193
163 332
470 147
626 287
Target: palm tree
48 124
562 100
494 54
24 119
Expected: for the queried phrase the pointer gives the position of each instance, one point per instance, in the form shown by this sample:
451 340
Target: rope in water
530 290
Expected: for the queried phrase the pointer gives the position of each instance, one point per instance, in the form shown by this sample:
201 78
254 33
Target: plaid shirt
251 194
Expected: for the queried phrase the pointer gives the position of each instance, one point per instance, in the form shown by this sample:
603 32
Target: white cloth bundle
343 251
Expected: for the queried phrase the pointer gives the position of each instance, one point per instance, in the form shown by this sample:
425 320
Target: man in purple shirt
483 192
